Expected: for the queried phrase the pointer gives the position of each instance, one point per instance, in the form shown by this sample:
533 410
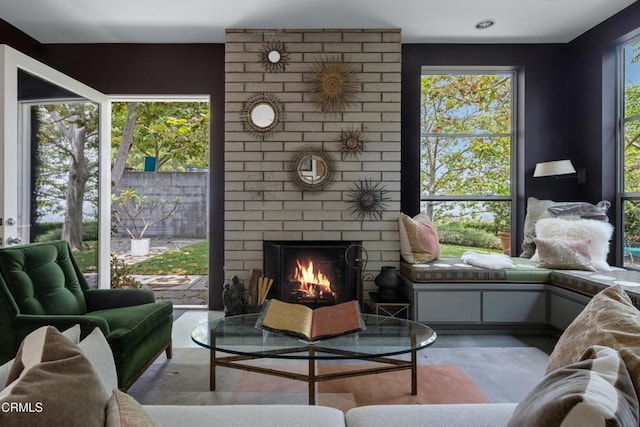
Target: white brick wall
261 200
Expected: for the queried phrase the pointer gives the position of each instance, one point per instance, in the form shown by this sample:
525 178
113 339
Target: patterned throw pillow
418 239
123 410
610 320
52 383
564 254
596 390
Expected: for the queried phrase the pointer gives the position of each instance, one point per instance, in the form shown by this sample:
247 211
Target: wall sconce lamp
560 169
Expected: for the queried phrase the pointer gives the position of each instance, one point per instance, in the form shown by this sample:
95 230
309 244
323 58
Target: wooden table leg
312 377
212 362
414 366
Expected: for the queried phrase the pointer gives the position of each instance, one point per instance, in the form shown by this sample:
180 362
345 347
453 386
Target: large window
466 157
629 140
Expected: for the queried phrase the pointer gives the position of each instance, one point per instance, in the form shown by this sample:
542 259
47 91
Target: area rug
436 384
453 375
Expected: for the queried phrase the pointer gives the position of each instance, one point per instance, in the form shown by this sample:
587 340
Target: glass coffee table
383 338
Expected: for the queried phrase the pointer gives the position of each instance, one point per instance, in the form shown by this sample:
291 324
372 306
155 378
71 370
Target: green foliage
120 278
192 259
175 133
456 251
465 143
136 212
48 231
457 234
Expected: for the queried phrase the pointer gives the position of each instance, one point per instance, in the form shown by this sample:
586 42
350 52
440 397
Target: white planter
140 247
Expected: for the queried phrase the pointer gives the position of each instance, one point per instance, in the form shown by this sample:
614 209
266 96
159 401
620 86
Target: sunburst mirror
261 115
368 199
274 56
351 142
333 84
312 170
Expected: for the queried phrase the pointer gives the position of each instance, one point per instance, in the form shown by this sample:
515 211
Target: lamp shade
557 167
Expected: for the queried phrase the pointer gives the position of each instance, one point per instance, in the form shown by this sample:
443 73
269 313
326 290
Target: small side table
398 308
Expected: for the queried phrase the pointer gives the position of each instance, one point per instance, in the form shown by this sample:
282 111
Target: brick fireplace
262 202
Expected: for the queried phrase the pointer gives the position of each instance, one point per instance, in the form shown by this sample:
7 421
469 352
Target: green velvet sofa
41 284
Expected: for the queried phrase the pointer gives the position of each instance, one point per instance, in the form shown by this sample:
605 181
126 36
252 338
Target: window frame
513 135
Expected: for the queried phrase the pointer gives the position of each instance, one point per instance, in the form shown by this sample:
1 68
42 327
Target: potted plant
136 213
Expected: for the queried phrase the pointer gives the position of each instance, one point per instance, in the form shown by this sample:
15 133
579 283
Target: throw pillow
538 209
418 239
564 254
123 410
599 232
96 348
52 383
610 320
596 390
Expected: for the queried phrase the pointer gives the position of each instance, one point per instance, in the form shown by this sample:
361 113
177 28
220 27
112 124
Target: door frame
11 61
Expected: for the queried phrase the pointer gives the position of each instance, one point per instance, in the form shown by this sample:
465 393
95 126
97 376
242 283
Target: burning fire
312 283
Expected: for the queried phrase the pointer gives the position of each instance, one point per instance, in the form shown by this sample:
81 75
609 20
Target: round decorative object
312 170
388 283
333 84
351 142
368 199
261 115
274 56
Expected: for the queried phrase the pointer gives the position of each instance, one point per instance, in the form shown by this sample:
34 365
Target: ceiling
204 21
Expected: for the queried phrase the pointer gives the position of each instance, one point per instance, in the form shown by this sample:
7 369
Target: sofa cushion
610 320
42 279
53 383
564 254
124 411
96 348
418 239
441 415
599 232
129 325
596 390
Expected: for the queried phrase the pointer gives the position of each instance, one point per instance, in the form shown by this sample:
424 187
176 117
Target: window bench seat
450 295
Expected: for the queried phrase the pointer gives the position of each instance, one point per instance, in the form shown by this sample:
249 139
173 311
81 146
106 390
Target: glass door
55 166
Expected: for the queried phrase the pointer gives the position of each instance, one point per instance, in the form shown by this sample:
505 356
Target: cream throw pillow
52 384
599 232
418 239
610 320
564 254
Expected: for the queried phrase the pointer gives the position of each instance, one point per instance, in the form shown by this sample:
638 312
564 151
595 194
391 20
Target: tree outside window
466 155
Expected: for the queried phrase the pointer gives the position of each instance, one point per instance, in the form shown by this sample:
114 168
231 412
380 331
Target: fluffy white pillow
598 231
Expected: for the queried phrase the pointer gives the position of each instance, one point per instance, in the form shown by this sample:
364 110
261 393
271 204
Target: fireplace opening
313 273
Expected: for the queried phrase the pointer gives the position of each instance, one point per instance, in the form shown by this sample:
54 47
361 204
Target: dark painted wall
542 133
592 107
18 40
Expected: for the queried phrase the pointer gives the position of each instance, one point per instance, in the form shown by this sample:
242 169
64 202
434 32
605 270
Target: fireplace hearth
313 273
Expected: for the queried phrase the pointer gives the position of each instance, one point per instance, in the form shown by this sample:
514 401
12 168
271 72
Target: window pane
632 156
459 103
632 79
469 225
465 166
631 209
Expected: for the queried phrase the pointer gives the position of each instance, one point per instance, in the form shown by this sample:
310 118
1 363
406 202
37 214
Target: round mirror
312 170
262 115
274 56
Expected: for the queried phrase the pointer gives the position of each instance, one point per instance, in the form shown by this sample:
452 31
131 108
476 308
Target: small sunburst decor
351 142
274 56
333 84
368 199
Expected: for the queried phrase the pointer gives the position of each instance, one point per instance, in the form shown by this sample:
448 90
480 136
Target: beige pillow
51 384
594 391
418 239
564 254
123 410
610 320
96 348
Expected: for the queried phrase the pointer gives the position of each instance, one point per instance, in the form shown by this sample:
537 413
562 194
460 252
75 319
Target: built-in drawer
448 306
514 306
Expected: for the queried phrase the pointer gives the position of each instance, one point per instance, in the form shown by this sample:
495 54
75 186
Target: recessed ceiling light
485 23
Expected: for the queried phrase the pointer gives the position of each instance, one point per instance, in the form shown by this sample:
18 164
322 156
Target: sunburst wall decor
351 142
333 84
274 56
368 199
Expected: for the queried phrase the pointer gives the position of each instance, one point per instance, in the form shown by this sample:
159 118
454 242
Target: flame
312 283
